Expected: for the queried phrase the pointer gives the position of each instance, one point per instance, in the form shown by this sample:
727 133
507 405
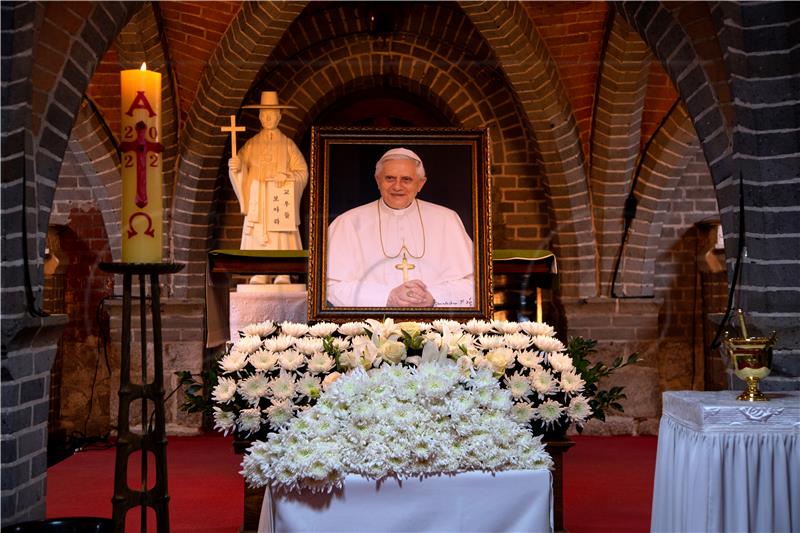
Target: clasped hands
412 293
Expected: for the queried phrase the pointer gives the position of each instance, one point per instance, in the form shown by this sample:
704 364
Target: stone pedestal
257 303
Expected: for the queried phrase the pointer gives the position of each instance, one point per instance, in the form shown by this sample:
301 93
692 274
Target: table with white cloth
519 500
727 465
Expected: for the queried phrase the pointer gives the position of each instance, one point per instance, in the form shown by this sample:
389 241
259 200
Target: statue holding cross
268 175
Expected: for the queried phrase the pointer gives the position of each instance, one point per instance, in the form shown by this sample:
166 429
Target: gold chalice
751 360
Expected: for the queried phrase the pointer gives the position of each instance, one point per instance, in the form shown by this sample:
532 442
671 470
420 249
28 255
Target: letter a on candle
142 196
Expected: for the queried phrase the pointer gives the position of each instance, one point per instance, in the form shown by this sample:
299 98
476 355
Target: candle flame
143 67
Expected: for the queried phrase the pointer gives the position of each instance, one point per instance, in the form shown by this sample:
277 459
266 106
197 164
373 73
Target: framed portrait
408 239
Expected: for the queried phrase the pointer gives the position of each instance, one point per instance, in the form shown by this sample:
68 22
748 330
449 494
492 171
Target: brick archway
234 65
671 44
51 114
616 138
97 157
672 149
533 76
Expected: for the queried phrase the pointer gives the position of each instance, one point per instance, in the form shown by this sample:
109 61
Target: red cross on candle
142 147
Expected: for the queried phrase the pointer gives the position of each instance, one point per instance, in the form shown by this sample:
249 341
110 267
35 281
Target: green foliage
197 394
601 400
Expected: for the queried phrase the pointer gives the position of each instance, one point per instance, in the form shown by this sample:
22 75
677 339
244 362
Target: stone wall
183 332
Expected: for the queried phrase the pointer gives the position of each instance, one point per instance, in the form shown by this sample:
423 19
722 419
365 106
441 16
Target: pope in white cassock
399 251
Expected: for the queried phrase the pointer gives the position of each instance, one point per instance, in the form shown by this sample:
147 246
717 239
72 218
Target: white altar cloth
727 465
519 500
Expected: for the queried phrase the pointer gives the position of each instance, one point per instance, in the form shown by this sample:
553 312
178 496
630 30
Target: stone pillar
183 332
27 359
621 327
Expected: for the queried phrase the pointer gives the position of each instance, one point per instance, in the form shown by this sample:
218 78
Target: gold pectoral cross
405 266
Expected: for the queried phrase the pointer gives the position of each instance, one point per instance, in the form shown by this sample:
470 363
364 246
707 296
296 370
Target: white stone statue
269 176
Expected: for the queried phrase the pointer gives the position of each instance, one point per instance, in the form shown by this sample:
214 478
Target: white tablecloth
472 501
727 465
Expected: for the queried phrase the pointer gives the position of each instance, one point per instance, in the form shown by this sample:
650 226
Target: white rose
412 328
500 359
392 351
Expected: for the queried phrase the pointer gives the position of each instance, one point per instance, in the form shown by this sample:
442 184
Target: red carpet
608 485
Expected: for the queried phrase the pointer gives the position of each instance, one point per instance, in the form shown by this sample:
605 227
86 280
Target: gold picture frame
342 177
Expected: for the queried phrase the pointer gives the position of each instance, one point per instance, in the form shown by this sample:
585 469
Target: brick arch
234 65
141 41
671 44
616 138
97 157
470 92
56 112
19 30
532 74
673 147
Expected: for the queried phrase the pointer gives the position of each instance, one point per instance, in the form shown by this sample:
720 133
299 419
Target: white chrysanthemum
504 326
464 365
530 359
571 382
517 341
395 421
341 344
490 342
260 329
351 329
548 344
308 345
249 420
549 411
253 388
224 391
560 362
247 344
320 362
309 386
283 387
537 328
291 360
500 359
279 343
323 329
518 385
442 323
543 382
233 361
224 421
294 329
263 360
522 412
280 413
579 409
478 327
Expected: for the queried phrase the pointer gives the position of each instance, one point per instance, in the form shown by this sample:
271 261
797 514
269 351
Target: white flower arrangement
397 421
277 370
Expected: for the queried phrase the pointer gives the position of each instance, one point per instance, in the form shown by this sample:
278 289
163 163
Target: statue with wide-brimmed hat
269 175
